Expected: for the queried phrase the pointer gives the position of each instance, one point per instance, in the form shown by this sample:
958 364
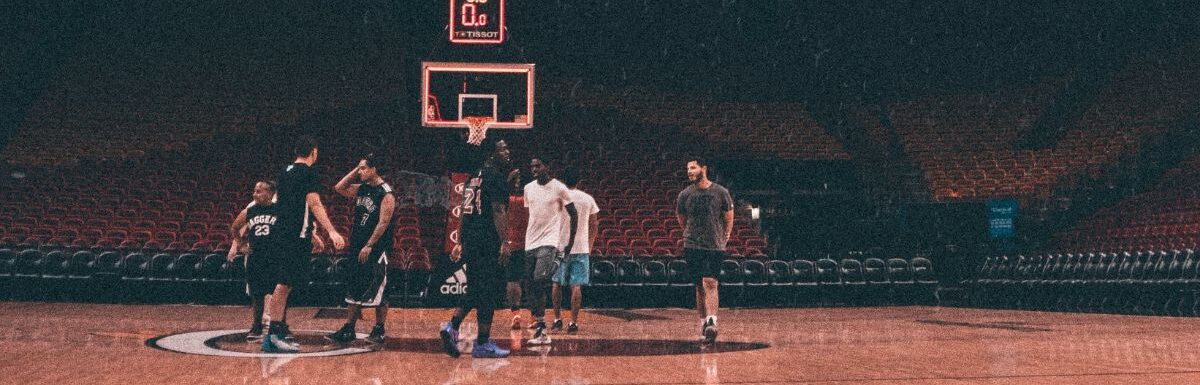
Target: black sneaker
286 332
572 328
377 335
539 336
344 335
557 325
255 333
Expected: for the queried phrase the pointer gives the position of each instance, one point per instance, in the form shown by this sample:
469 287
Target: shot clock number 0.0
477 21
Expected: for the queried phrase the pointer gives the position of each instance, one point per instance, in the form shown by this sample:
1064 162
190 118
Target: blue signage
1001 217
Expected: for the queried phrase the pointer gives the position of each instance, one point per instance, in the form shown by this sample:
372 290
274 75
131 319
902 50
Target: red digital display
477 21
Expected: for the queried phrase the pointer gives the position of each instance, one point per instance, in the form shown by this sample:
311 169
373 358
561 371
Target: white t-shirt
585 205
546 205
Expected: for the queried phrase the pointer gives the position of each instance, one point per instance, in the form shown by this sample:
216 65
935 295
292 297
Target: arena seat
604 273
52 265
655 273
184 267
677 273
80 265
629 273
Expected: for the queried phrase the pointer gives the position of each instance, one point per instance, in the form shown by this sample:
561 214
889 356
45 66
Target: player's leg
357 282
379 271
695 276
576 300
293 271
257 287
540 287
491 292
289 269
515 272
711 300
556 302
466 301
381 313
278 303
256 313
578 275
347 332
698 269
276 340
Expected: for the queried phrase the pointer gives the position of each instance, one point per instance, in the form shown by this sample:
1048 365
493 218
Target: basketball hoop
477 128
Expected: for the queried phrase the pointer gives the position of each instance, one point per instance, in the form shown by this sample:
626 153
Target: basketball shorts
575 270
702 263
290 266
544 261
485 276
259 281
365 282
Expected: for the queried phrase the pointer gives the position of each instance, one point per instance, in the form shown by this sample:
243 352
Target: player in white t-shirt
547 200
575 270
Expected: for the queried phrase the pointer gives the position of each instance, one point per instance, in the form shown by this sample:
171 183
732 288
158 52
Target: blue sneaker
450 340
488 350
274 344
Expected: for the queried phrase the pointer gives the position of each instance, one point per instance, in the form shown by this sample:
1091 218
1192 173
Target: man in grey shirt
705 211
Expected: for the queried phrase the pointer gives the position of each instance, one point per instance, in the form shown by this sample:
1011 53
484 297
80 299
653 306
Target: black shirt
262 230
486 186
367 205
295 217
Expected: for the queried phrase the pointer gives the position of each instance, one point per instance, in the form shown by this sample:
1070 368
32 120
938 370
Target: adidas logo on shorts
456 283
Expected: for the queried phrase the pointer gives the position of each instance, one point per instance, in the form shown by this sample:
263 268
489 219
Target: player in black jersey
370 243
482 232
298 203
257 222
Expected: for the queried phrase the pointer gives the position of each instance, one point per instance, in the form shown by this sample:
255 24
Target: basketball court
119 344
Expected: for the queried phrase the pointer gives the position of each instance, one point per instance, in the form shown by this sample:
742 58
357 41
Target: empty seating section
1144 282
1165 217
964 143
749 129
854 278
100 100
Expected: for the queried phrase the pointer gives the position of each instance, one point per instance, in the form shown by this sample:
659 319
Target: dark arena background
924 192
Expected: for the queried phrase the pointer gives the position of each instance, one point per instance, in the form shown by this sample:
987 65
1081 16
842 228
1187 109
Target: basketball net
477 128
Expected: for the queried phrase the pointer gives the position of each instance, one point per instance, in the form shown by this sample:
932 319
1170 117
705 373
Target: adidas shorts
365 282
545 262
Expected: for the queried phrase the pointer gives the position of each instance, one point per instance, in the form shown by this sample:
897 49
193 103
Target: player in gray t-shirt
705 211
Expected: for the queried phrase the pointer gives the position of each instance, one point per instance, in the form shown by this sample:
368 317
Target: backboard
452 92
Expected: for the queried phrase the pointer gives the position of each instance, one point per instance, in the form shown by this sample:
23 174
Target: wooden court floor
46 343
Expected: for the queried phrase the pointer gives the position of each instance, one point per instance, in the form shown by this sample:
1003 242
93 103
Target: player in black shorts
299 202
705 211
256 222
370 242
484 226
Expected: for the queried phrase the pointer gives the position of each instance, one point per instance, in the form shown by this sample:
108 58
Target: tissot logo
457 283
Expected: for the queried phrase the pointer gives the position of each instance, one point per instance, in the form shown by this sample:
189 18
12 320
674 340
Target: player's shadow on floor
583 347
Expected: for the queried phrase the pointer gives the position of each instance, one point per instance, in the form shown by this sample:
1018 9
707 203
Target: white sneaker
273 344
539 338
